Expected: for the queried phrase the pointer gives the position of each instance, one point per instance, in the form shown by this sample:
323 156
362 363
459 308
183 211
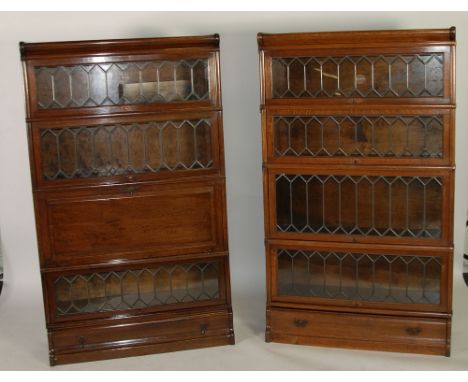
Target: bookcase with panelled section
358 153
126 151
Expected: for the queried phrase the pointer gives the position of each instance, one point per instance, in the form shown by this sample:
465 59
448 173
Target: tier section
373 204
85 293
141 335
387 74
394 136
89 226
145 147
359 331
71 83
355 276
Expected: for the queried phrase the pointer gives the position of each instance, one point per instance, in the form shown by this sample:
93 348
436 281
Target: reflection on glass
416 75
121 83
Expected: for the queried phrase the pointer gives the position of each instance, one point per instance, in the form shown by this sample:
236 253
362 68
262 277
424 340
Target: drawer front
350 328
161 286
357 276
354 138
131 221
373 205
142 332
383 73
125 148
96 85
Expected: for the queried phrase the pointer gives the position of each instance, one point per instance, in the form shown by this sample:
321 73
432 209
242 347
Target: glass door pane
121 83
406 137
359 276
136 288
133 148
409 75
398 206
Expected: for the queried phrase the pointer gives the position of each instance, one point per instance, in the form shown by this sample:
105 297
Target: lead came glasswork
137 288
359 276
122 83
107 150
358 136
364 205
358 167
418 75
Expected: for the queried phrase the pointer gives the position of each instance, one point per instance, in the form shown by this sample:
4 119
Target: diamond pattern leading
359 205
359 136
137 288
121 83
107 150
418 75
359 276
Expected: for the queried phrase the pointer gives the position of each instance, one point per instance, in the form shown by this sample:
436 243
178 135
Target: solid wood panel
100 48
357 331
127 337
267 41
131 221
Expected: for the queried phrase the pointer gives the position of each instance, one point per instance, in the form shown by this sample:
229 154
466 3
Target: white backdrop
22 333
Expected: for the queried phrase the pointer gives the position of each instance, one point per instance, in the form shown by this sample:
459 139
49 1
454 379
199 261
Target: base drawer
137 336
359 331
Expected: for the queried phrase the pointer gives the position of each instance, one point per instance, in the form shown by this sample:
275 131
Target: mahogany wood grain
342 121
127 166
358 331
138 336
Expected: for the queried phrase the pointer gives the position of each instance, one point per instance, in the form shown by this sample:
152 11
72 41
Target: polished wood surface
358 176
127 167
359 331
140 335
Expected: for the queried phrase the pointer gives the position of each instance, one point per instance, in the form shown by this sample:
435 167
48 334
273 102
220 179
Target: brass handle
414 331
130 189
300 323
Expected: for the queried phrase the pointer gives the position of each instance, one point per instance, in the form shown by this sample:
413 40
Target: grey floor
23 344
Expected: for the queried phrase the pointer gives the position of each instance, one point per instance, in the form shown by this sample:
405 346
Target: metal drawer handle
130 189
203 328
300 323
414 331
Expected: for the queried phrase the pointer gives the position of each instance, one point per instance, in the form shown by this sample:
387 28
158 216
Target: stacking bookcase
358 165
127 162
